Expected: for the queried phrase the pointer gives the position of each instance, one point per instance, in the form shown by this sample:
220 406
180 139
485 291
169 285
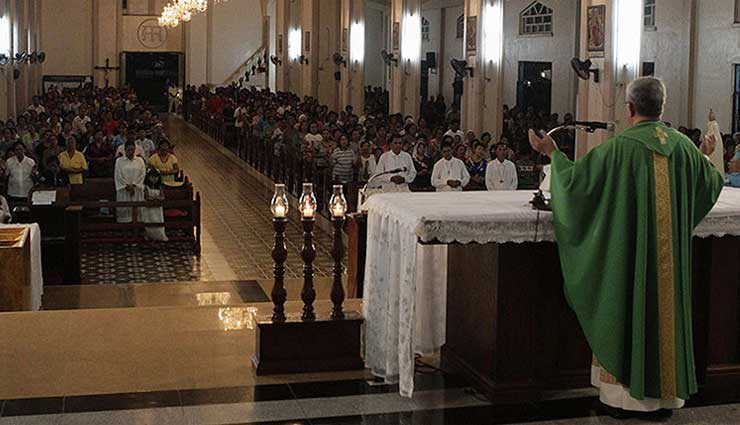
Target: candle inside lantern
308 210
280 211
279 203
337 210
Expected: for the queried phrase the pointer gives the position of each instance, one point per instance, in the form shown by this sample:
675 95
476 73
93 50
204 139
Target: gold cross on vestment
660 134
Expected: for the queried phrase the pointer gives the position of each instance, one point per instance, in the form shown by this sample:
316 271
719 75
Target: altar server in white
500 172
396 159
129 177
449 173
718 156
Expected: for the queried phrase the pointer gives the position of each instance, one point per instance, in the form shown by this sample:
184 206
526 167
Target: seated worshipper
165 162
449 173
99 155
343 161
20 170
5 215
52 175
477 166
129 175
73 162
423 167
643 192
500 172
398 161
153 192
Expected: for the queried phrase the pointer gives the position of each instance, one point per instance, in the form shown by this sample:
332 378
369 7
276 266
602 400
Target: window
535 19
648 16
424 29
461 26
648 69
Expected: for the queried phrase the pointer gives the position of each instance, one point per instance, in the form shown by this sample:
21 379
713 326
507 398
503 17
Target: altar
477 275
21 280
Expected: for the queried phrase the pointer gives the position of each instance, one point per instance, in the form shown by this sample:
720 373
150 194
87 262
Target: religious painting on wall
280 44
471 35
596 31
308 41
395 41
345 35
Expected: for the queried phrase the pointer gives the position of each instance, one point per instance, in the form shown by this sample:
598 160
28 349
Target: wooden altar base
511 333
295 346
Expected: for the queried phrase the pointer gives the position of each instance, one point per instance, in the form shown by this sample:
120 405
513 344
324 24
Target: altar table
496 307
36 280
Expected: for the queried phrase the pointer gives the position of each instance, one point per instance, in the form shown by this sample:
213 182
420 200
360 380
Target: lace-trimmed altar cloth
406 282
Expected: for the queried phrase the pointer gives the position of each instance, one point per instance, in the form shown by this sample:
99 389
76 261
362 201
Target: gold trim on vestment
666 286
604 376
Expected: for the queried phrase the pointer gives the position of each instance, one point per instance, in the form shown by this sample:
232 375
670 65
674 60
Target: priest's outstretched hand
708 145
543 143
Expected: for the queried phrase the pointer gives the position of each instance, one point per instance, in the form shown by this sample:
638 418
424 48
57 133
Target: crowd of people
432 150
70 134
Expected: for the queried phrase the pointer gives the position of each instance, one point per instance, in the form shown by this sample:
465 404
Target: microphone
592 126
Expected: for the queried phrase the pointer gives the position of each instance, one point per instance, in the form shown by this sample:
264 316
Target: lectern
15 263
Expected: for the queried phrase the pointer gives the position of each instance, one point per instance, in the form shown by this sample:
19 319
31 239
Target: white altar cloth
37 278
406 283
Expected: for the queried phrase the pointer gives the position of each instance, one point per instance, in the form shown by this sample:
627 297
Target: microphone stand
373 177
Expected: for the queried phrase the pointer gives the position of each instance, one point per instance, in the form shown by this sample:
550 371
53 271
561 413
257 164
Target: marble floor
139 352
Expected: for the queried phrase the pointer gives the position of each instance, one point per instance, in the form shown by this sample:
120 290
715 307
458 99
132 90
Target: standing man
449 173
73 162
500 172
624 216
396 159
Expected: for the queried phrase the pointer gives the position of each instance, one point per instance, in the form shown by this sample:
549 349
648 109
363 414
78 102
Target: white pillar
353 50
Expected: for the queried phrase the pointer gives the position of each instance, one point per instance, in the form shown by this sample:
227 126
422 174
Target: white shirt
501 175
138 150
4 210
718 156
79 124
367 167
130 171
452 169
20 182
240 116
39 109
390 161
455 133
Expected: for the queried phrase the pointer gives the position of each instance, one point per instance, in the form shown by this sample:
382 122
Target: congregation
68 135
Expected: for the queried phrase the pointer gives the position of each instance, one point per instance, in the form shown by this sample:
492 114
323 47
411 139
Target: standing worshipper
19 169
718 156
130 172
393 160
624 216
153 192
73 162
477 166
500 172
343 162
449 173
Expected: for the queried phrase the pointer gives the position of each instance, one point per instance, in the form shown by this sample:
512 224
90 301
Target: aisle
237 224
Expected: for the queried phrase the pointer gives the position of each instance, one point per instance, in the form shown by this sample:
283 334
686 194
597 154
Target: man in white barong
449 173
718 156
396 159
129 174
500 172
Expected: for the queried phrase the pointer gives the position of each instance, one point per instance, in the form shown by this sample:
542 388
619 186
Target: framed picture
307 43
280 44
596 20
345 35
471 35
395 39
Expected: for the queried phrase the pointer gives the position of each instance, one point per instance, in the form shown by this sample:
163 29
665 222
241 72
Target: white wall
235 35
717 52
377 22
68 42
559 49
196 56
442 17
667 46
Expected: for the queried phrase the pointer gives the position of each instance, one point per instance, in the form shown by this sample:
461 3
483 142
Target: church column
353 52
105 41
294 46
7 71
482 101
21 34
310 41
405 90
281 51
12 25
617 55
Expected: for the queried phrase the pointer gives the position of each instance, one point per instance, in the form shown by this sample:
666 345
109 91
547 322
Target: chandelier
178 11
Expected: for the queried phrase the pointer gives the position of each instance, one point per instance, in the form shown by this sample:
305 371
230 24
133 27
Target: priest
624 216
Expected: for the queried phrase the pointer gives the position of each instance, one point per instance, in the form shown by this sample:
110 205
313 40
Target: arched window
461 26
535 19
649 14
424 29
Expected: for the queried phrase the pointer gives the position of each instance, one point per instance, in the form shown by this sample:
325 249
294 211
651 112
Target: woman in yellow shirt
165 162
73 162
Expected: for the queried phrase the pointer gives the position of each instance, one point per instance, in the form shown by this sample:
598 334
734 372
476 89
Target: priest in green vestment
624 216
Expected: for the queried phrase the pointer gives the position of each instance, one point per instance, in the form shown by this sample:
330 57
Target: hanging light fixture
178 11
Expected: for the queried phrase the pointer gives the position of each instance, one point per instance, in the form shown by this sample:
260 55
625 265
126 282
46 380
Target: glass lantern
279 204
307 203
337 202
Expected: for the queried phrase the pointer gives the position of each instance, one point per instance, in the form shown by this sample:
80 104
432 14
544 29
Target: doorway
534 87
149 73
736 102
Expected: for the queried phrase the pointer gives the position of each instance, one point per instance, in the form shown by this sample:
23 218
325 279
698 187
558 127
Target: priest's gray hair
647 96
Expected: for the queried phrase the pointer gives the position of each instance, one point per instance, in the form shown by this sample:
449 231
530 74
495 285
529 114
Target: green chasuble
624 216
